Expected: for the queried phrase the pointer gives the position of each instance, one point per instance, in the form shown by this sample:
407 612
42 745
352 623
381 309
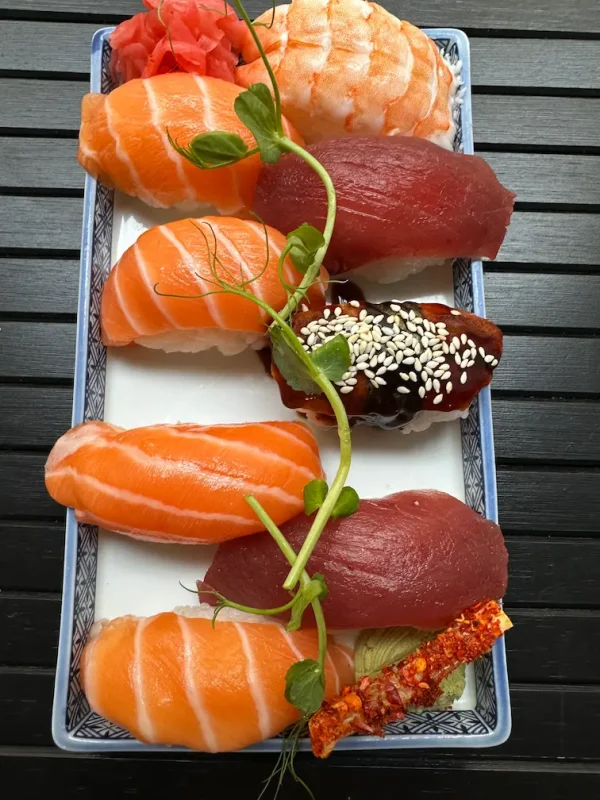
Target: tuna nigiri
182 483
403 204
411 364
178 259
174 679
347 67
123 141
414 558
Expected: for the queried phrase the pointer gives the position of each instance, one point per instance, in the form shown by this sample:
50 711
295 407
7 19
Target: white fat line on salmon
135 533
256 689
131 319
287 434
124 158
239 261
144 723
261 453
169 150
225 478
72 441
434 81
90 154
297 653
346 655
126 496
192 692
155 298
211 300
289 273
335 672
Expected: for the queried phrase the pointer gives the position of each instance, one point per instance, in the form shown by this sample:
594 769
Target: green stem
312 273
263 612
258 43
288 551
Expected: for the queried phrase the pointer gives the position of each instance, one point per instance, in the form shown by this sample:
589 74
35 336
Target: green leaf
218 148
316 588
305 241
289 363
346 504
315 493
305 686
256 109
333 357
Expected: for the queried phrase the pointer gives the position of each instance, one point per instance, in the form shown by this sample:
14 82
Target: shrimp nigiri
349 67
182 483
124 141
175 679
161 292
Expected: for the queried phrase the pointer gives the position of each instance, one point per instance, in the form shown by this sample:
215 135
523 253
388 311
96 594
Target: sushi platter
412 537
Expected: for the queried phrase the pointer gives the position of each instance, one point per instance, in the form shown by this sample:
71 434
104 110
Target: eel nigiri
372 703
179 259
414 558
182 483
347 67
124 143
403 204
411 364
174 679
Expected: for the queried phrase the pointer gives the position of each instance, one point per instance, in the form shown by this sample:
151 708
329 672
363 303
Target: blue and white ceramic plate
107 575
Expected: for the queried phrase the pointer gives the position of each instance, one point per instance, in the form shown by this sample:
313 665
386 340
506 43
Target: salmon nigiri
178 259
174 679
348 67
182 483
123 141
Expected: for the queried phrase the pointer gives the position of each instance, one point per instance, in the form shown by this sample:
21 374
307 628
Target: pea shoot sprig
259 110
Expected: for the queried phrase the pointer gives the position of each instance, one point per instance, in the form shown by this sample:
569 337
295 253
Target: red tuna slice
397 196
413 558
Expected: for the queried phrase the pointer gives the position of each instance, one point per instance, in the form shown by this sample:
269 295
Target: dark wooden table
536 105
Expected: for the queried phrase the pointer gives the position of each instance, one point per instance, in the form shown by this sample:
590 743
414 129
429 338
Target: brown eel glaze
407 357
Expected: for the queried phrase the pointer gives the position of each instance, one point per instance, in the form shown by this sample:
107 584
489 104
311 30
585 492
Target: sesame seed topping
369 374
351 381
404 376
436 385
455 313
395 307
448 387
409 360
405 390
362 315
428 385
403 313
438 399
488 359
411 327
495 362
421 392
457 358
424 376
463 378
355 303
346 389
412 376
337 311
326 313
380 381
411 315
305 331
482 352
304 307
381 371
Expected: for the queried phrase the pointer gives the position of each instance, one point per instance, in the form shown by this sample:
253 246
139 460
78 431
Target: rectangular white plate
108 575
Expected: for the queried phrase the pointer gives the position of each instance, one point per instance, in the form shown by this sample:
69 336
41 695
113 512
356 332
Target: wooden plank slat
32 556
567 64
29 629
532 237
549 15
22 424
548 178
541 121
24 493
37 349
498 119
26 706
40 163
544 430
553 572
529 363
59 47
535 299
550 500
535 237
39 286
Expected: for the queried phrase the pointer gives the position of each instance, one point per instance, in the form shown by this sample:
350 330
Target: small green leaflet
333 357
218 148
316 588
305 686
256 109
290 365
346 504
315 493
305 241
